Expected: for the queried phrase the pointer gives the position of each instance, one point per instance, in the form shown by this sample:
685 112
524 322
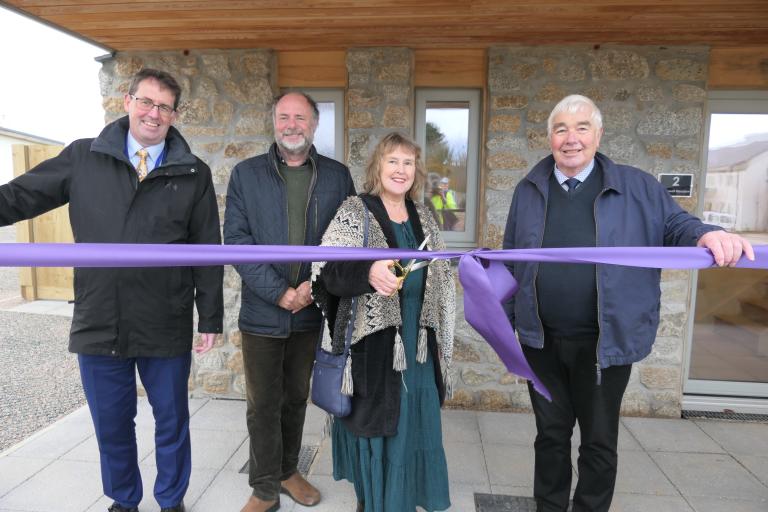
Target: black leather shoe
177 508
116 507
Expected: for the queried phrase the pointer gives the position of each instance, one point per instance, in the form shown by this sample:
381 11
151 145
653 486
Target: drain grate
733 416
503 503
306 456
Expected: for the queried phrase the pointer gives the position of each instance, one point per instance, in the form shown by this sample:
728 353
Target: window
329 136
448 130
729 347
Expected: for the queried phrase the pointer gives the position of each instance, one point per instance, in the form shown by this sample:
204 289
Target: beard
295 148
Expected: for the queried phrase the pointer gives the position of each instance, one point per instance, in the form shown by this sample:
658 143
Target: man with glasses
137 182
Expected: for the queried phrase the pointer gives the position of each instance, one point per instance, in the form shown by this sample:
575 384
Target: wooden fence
54 283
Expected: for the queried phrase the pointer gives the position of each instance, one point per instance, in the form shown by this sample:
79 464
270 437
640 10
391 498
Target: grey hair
572 104
310 100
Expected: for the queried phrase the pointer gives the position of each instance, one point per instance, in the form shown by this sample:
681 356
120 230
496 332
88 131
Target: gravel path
39 378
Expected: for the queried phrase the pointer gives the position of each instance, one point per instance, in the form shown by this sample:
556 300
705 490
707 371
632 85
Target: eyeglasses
146 104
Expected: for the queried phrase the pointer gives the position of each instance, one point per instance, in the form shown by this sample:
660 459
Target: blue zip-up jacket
633 209
257 214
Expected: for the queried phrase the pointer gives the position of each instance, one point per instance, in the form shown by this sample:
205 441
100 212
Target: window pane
445 156
325 135
730 335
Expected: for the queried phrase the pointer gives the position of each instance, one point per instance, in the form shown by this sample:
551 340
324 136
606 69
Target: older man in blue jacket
582 326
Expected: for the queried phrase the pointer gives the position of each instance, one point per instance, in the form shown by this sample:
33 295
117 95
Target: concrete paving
664 465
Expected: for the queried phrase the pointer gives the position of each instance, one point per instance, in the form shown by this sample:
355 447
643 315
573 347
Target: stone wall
653 105
379 100
652 100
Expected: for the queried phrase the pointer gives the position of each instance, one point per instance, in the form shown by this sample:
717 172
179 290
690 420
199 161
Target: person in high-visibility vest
443 198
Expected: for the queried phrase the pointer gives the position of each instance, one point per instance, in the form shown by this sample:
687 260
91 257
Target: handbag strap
351 327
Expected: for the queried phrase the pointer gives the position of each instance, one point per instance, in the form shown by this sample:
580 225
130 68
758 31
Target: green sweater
297 182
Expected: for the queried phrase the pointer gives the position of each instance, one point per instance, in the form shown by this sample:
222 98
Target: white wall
6 158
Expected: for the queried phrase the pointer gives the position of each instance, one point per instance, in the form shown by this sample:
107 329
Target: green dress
398 473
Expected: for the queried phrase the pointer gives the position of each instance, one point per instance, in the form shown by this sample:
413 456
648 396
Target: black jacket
256 214
130 312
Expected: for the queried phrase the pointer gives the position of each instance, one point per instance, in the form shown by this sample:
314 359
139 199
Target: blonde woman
390 446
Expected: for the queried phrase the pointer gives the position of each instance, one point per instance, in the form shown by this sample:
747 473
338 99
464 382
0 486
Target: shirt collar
582 176
132 146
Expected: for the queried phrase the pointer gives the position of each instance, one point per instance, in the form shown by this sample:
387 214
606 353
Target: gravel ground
39 378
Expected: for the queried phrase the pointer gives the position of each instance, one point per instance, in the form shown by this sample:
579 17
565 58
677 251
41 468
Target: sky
50 81
732 129
454 123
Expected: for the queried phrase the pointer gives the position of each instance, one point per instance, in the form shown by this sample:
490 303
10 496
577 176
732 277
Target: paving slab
710 474
644 503
755 464
738 437
14 471
212 449
509 464
323 463
52 488
229 490
53 442
45 307
671 435
460 426
336 497
513 490
220 415
639 474
463 496
507 428
466 463
708 504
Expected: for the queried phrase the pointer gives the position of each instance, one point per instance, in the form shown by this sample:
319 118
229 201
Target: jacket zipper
306 208
536 274
285 202
598 369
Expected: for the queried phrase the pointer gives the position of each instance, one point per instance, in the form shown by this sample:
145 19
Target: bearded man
286 196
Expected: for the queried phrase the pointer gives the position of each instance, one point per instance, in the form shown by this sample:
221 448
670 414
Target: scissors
410 266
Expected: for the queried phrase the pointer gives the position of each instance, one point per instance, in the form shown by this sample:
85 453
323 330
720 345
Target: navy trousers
110 388
567 367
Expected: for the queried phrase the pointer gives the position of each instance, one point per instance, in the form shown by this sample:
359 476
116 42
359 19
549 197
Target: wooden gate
53 283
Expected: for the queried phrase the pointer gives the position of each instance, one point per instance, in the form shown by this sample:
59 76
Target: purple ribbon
486 281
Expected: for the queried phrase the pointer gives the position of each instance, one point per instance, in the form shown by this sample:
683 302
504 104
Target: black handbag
328 370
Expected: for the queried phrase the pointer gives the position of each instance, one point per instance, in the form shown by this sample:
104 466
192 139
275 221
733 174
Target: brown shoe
300 491
255 504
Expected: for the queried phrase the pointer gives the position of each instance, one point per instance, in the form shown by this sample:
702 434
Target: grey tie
572 184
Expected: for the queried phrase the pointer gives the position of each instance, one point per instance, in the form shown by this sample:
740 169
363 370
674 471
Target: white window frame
711 394
468 237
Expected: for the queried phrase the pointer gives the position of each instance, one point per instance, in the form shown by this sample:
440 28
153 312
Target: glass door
729 346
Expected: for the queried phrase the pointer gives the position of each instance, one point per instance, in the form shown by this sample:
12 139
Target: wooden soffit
124 25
